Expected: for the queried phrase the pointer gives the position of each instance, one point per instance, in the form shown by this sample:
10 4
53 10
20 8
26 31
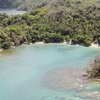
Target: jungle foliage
54 22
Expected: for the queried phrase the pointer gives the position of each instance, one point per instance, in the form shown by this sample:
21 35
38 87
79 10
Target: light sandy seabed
69 79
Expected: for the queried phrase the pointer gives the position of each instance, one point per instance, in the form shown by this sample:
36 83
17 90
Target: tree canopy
57 21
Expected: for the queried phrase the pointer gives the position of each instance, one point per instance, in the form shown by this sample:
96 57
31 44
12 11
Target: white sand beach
95 45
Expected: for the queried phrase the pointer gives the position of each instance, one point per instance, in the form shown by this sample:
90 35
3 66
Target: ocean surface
47 72
11 11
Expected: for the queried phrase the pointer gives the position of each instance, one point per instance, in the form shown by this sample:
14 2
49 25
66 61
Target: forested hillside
55 21
29 4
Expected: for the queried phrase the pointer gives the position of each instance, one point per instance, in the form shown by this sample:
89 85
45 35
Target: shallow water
11 11
23 71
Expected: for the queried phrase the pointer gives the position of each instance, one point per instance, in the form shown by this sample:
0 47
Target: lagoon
47 72
11 11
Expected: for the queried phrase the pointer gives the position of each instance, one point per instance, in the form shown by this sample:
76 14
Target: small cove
11 11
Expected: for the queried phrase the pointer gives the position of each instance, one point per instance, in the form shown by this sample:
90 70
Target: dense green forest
53 22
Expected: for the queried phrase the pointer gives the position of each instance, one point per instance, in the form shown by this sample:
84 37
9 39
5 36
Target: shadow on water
7 52
12 51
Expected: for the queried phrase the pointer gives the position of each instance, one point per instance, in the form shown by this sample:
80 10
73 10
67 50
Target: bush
54 38
87 41
82 40
67 38
94 71
6 45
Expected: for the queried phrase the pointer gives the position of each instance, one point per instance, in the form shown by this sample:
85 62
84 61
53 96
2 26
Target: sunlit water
11 11
33 72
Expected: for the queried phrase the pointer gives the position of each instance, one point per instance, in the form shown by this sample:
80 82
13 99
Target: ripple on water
91 91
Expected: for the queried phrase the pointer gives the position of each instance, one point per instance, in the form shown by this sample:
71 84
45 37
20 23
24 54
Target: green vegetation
55 22
94 71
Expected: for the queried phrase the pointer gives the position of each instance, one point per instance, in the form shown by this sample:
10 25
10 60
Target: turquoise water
23 71
11 11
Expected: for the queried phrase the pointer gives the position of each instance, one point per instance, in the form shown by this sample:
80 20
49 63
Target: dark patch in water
71 79
65 79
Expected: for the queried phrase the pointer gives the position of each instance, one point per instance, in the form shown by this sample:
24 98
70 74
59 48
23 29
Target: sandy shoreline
40 43
1 50
95 45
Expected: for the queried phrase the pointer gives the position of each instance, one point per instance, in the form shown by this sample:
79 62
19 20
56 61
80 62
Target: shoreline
1 50
40 43
93 45
63 43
